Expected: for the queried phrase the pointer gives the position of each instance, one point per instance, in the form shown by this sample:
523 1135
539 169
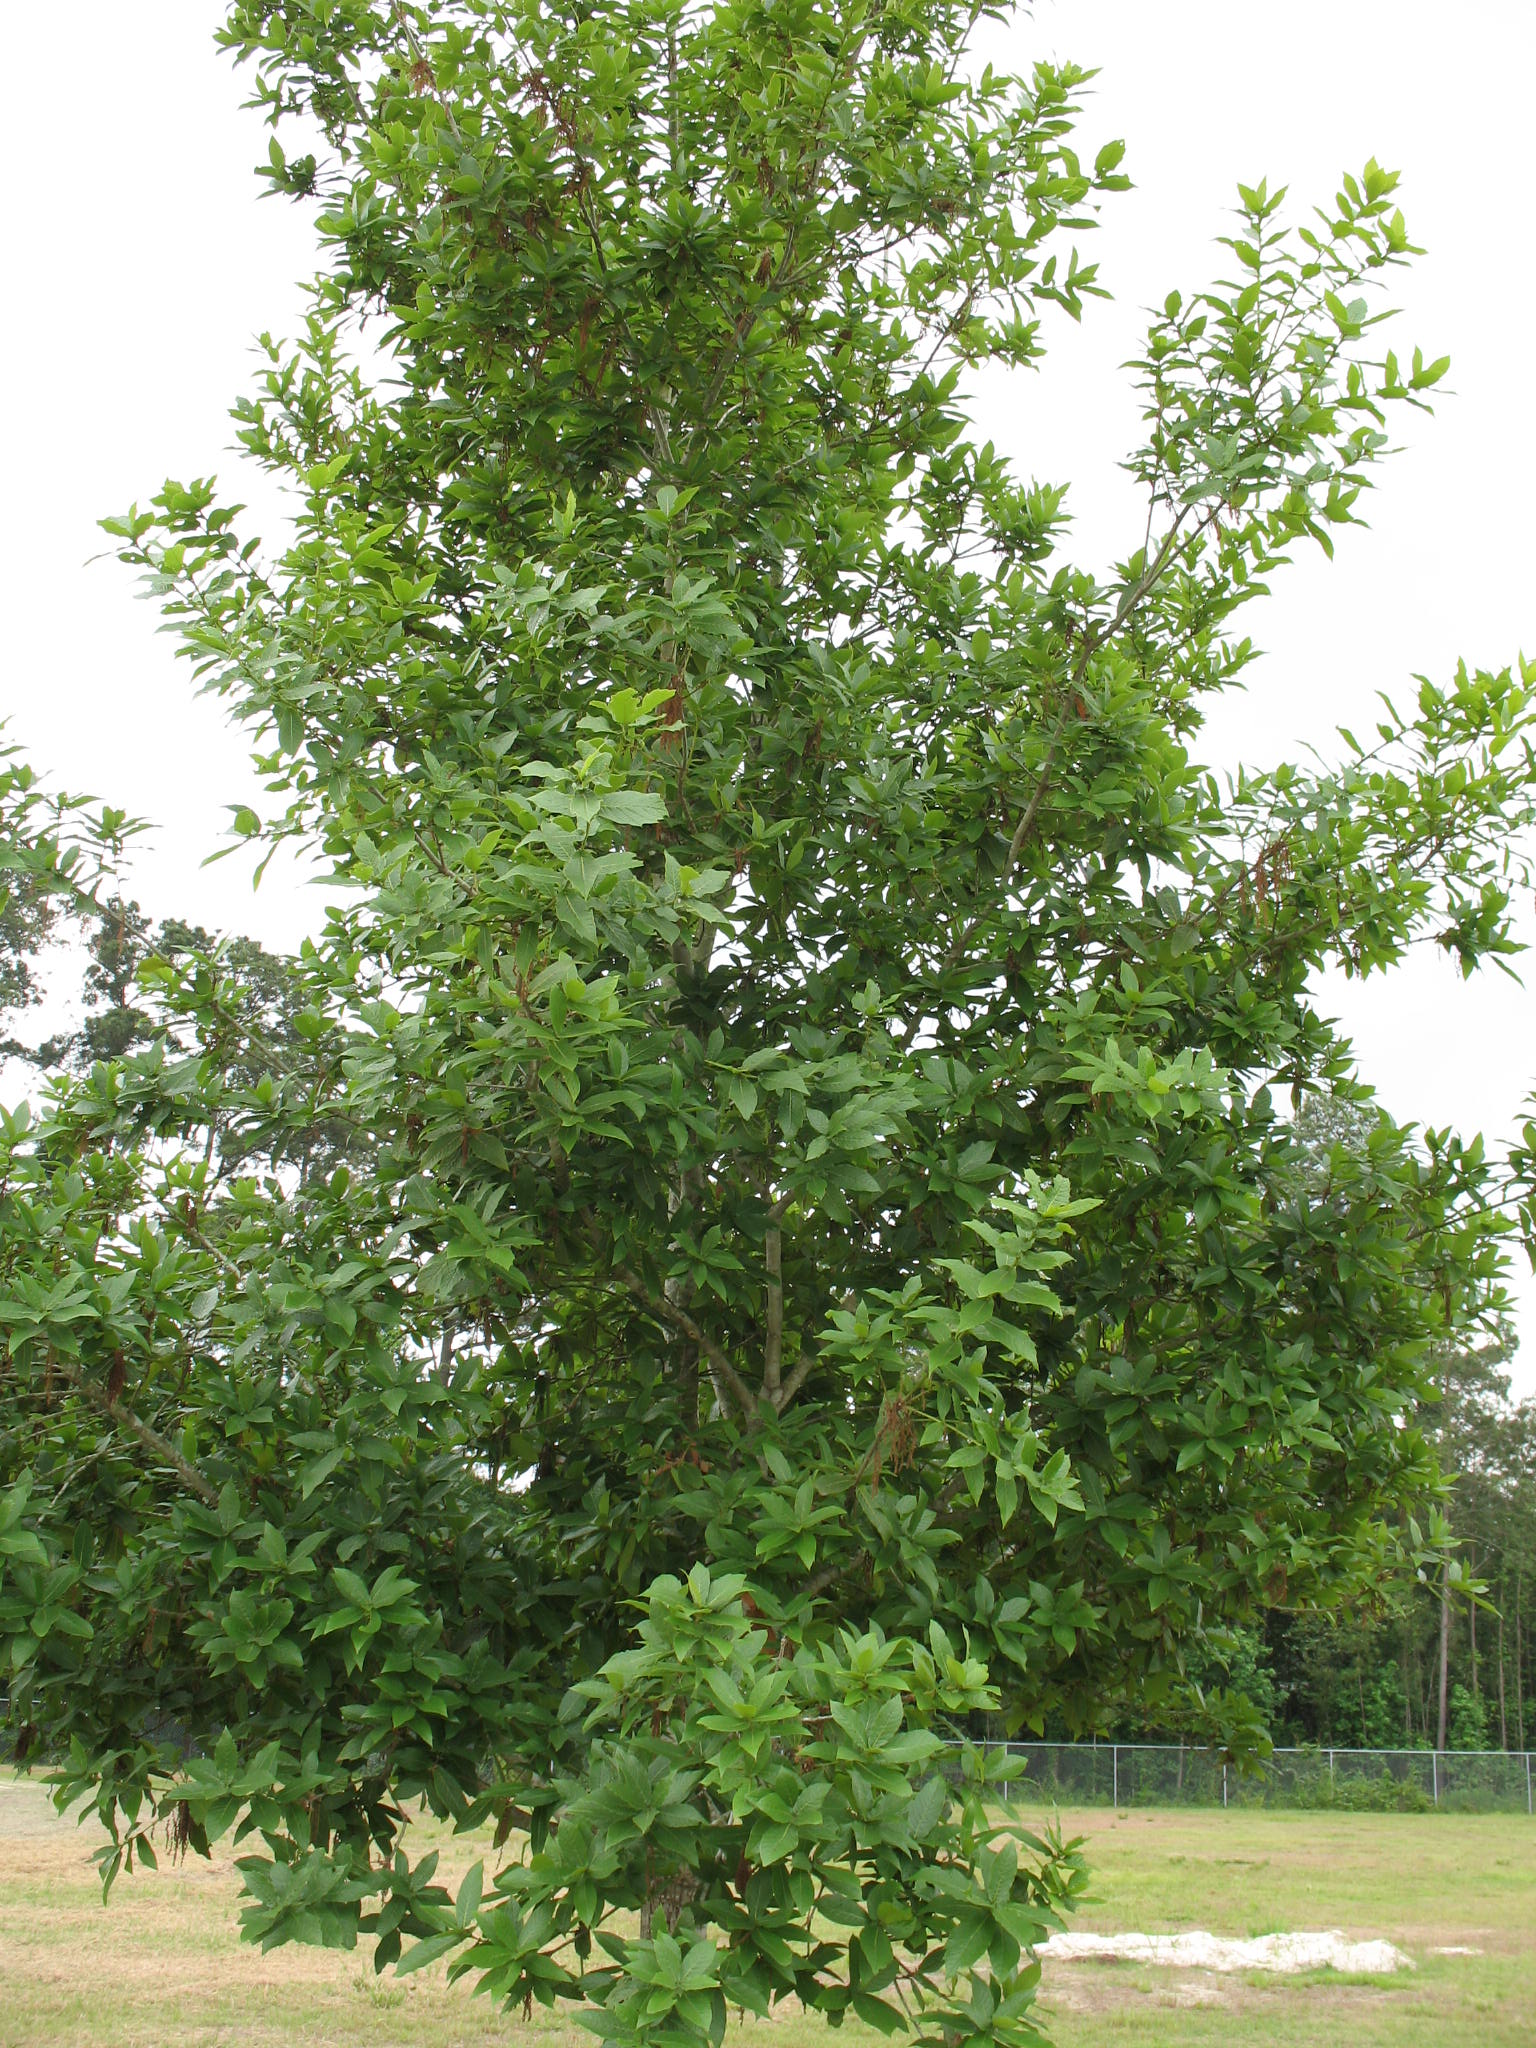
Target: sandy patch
1196 1950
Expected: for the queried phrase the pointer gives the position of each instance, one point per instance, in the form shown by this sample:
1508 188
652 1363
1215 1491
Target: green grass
162 1965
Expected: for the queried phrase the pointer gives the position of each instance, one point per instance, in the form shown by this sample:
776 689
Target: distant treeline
1374 1678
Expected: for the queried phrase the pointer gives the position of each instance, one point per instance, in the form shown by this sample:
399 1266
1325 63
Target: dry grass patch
162 1964
1424 1882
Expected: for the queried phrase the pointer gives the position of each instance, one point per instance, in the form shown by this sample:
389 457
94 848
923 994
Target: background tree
830 1260
28 914
225 1018
57 858
1370 1674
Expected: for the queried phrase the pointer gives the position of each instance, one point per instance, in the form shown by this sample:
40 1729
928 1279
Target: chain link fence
1128 1774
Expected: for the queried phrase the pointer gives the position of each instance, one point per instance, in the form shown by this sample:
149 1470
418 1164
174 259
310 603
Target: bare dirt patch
1197 1950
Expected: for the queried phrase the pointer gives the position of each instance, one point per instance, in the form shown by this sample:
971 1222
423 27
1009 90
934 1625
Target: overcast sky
143 263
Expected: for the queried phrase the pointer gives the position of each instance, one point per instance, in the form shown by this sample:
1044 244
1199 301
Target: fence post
1223 1785
1527 1781
1330 1770
1114 1766
1434 1765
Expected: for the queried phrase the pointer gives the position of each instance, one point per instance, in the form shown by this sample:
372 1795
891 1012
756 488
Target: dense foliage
807 1249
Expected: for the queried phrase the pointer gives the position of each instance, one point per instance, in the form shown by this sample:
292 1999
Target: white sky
143 263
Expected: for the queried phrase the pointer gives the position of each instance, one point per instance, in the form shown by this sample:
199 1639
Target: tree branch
669 1312
1093 640
780 279
796 1380
151 1439
773 1349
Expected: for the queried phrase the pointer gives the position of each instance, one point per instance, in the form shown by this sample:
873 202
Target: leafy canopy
812 1254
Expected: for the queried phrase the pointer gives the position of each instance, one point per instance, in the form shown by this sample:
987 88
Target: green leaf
430 1950
467 1904
633 807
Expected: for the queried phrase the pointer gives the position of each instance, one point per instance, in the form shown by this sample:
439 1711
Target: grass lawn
162 1964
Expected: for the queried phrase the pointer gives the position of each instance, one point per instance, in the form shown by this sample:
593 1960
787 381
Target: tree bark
1445 1574
1445 1649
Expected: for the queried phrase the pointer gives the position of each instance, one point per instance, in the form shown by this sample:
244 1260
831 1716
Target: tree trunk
1407 1690
1422 1690
1445 1650
1445 1572
1503 1723
1519 1676
1472 1627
